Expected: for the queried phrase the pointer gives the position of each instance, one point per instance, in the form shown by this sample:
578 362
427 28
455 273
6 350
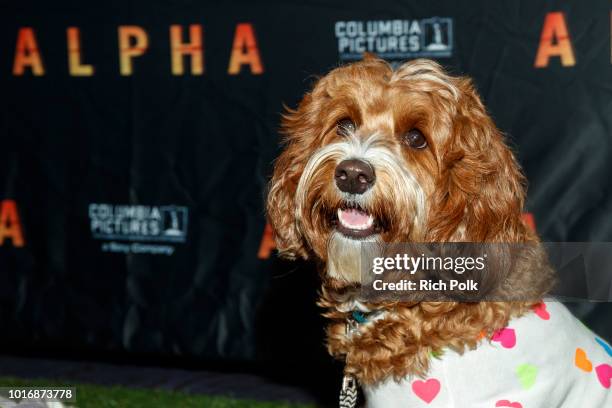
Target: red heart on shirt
506 403
604 374
506 337
540 310
426 390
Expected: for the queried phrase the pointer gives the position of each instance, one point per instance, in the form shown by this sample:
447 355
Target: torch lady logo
395 39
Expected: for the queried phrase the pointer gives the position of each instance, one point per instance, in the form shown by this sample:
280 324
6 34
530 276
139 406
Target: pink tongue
354 217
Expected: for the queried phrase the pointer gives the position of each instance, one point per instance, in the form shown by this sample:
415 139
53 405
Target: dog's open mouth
355 222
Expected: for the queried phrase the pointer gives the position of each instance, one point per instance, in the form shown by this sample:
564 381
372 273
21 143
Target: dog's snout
354 176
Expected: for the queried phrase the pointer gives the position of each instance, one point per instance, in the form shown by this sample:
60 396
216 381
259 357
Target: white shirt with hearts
546 359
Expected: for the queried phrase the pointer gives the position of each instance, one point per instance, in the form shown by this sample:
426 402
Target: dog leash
348 393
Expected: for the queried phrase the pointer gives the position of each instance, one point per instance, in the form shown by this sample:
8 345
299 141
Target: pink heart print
604 374
540 310
426 390
506 403
506 337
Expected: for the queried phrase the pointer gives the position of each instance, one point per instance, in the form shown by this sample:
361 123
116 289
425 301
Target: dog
375 154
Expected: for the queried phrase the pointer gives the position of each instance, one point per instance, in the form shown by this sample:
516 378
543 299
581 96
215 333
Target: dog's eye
415 139
345 127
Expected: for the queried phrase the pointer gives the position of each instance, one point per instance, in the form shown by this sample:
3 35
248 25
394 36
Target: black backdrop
140 198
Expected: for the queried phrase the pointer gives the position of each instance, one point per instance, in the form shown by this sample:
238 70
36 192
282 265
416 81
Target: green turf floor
95 396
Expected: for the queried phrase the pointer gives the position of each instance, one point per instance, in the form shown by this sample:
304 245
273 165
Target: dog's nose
354 176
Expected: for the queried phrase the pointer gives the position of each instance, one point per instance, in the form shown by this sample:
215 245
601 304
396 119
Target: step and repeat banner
137 138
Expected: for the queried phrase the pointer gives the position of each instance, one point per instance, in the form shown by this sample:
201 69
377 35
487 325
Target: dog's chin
352 226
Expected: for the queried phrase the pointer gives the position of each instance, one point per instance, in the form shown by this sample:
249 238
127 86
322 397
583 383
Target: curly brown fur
466 186
404 342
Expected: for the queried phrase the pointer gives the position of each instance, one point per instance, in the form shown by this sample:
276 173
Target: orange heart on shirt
582 362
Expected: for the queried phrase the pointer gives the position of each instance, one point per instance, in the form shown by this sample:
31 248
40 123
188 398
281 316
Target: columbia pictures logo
395 40
138 222
437 37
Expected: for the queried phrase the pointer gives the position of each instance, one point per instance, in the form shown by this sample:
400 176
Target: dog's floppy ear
480 192
281 205
300 127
